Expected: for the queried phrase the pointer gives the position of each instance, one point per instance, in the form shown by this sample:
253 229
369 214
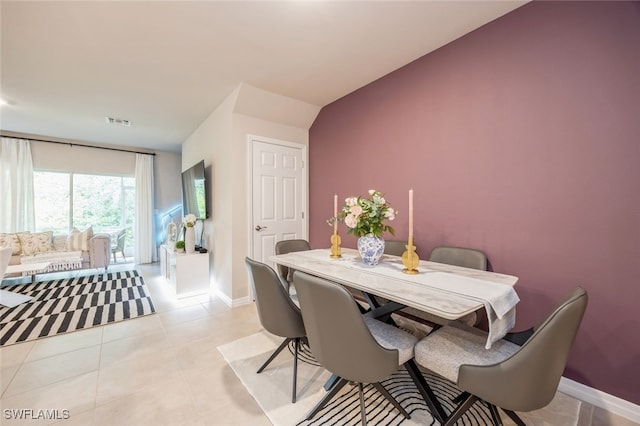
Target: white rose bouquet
365 216
189 220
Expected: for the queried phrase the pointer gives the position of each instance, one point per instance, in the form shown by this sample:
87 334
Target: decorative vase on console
365 219
190 240
190 234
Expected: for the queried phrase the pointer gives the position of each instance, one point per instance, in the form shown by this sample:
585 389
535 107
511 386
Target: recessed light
3 102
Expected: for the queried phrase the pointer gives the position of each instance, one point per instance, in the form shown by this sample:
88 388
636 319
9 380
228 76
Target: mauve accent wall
521 139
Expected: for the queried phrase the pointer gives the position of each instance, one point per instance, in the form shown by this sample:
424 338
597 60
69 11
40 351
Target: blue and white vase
371 249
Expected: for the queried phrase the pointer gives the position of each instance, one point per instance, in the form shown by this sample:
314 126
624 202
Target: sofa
76 250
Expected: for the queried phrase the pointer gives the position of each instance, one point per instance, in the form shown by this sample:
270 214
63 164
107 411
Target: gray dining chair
459 256
509 376
353 347
277 312
288 246
466 258
394 247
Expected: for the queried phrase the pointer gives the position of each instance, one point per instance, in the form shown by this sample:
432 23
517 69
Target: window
52 201
66 200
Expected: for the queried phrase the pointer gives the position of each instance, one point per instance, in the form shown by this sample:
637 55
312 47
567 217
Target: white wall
210 142
221 140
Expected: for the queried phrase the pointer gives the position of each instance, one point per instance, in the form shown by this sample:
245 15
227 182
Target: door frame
305 185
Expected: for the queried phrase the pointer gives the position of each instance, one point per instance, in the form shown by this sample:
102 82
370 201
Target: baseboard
242 301
226 299
232 303
600 399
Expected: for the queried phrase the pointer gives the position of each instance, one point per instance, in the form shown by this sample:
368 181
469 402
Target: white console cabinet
188 274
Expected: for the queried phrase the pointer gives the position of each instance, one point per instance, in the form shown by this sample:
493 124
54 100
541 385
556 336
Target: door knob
260 228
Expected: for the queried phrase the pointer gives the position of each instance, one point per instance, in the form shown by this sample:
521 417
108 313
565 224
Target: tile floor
164 369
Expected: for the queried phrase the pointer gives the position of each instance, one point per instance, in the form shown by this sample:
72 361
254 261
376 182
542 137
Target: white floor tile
46 371
68 342
76 395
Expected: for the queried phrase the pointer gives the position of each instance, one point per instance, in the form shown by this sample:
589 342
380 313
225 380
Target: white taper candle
335 213
411 214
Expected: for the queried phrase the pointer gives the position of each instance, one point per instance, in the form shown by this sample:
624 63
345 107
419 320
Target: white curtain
144 252
16 186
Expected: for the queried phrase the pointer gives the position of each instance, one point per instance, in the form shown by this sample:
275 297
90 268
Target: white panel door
278 196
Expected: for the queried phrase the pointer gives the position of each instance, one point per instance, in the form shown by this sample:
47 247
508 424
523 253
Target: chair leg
495 416
363 411
295 368
513 416
458 399
332 392
391 399
274 354
460 410
425 390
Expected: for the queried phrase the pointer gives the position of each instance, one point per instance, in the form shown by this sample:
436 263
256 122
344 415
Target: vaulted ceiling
165 66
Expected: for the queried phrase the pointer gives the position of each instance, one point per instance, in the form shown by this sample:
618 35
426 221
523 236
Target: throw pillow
60 242
39 242
79 240
13 241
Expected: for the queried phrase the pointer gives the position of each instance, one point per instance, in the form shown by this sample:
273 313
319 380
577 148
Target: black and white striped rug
272 390
344 408
64 305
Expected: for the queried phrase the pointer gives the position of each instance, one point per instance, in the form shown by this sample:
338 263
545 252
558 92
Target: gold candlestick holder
410 258
336 252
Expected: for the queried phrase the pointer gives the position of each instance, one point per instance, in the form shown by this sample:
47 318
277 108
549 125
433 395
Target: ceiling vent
121 121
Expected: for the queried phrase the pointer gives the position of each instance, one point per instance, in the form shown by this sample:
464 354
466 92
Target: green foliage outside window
67 200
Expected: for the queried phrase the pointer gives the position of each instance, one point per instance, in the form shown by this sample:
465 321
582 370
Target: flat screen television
194 193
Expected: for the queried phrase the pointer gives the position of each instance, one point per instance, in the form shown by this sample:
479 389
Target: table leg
380 311
332 381
386 309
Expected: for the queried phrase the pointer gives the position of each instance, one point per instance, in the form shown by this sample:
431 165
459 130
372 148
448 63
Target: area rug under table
272 390
64 305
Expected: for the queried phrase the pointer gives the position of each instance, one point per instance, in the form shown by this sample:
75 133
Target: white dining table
447 291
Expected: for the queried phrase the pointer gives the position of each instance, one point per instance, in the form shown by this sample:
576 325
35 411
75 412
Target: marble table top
448 291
